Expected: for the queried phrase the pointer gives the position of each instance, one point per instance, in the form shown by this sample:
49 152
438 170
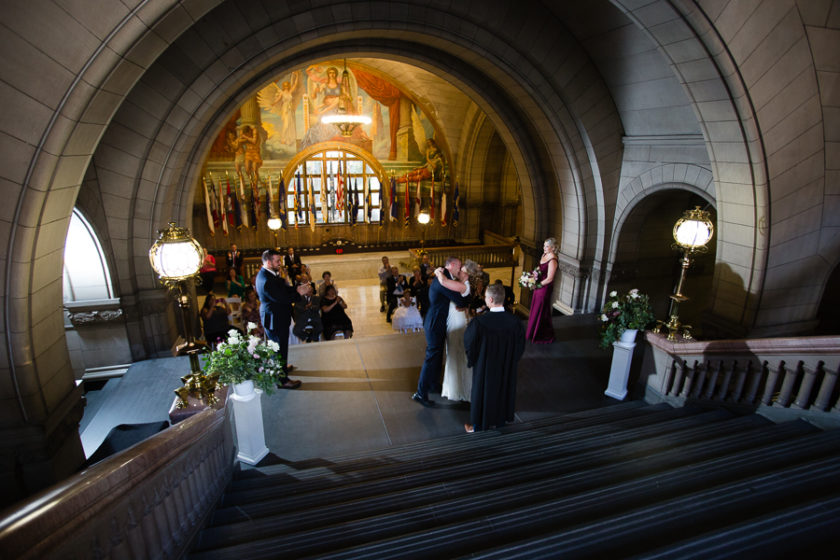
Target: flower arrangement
622 312
242 358
530 280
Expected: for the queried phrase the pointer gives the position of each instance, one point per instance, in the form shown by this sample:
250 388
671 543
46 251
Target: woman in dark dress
540 329
333 316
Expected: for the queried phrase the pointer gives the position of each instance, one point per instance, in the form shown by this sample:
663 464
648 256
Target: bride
457 377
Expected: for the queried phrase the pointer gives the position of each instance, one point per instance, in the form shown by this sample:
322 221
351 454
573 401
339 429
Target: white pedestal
250 436
620 369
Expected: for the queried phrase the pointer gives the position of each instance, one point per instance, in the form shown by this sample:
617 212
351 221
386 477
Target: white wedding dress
457 377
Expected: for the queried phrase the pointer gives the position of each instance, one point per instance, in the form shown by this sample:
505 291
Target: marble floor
356 393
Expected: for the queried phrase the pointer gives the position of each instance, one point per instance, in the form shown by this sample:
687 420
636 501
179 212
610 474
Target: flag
208 204
242 200
281 204
323 194
298 200
256 207
369 210
354 203
339 192
443 206
432 203
311 205
214 200
393 199
418 199
223 215
456 200
233 210
407 204
268 199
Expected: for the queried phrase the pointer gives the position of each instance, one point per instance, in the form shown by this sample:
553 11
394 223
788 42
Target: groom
435 327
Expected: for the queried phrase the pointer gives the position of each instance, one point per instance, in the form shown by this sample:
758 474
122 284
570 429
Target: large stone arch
118 100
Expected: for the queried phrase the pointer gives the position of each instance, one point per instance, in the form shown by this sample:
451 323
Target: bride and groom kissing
494 343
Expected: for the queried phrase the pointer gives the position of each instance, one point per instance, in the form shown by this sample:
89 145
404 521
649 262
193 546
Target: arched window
322 178
86 274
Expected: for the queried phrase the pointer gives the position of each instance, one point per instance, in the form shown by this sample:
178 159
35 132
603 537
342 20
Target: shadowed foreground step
616 482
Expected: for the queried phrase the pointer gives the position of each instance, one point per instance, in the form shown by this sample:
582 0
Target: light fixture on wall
176 257
692 233
274 224
344 120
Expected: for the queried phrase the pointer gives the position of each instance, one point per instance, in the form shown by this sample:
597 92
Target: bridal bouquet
246 358
530 279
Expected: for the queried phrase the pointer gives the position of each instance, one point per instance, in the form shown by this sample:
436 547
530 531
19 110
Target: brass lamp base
675 328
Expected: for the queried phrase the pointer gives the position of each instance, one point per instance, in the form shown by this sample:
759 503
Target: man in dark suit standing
276 297
435 326
293 265
494 342
234 259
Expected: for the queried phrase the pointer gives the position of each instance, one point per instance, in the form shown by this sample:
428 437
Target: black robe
494 342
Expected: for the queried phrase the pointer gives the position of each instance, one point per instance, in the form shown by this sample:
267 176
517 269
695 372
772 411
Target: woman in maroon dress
540 330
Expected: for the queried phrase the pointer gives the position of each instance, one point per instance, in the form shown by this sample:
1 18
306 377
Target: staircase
623 481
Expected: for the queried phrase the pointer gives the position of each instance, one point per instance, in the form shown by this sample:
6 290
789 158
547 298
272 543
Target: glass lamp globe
694 230
423 217
176 255
274 224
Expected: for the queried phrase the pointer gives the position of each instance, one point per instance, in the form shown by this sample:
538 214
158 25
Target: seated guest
420 291
397 286
324 283
407 316
477 303
292 263
214 317
235 284
251 312
307 312
333 316
426 268
510 299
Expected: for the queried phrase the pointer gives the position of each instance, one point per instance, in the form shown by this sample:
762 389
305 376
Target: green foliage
242 358
630 311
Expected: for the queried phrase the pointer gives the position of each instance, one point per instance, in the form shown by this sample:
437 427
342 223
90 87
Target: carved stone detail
95 316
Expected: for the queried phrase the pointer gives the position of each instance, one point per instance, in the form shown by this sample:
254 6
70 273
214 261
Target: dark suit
234 260
494 343
435 326
276 298
392 285
293 265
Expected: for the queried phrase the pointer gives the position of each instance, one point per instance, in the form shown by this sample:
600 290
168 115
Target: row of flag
235 206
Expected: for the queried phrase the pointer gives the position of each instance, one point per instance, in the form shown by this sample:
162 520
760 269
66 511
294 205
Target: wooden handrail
147 501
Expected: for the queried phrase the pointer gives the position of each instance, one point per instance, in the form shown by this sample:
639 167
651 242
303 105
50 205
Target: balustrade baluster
826 390
134 536
809 378
712 382
723 393
754 383
679 375
669 377
771 382
153 525
701 375
690 377
740 378
788 383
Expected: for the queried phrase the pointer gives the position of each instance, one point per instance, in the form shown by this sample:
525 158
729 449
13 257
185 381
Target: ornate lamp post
692 233
176 257
274 224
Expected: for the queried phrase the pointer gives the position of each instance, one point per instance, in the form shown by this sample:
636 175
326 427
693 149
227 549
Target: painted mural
386 172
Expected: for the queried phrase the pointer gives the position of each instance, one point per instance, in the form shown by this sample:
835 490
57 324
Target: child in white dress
406 317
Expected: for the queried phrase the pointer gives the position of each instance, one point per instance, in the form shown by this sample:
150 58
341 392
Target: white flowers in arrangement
530 280
246 358
630 311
